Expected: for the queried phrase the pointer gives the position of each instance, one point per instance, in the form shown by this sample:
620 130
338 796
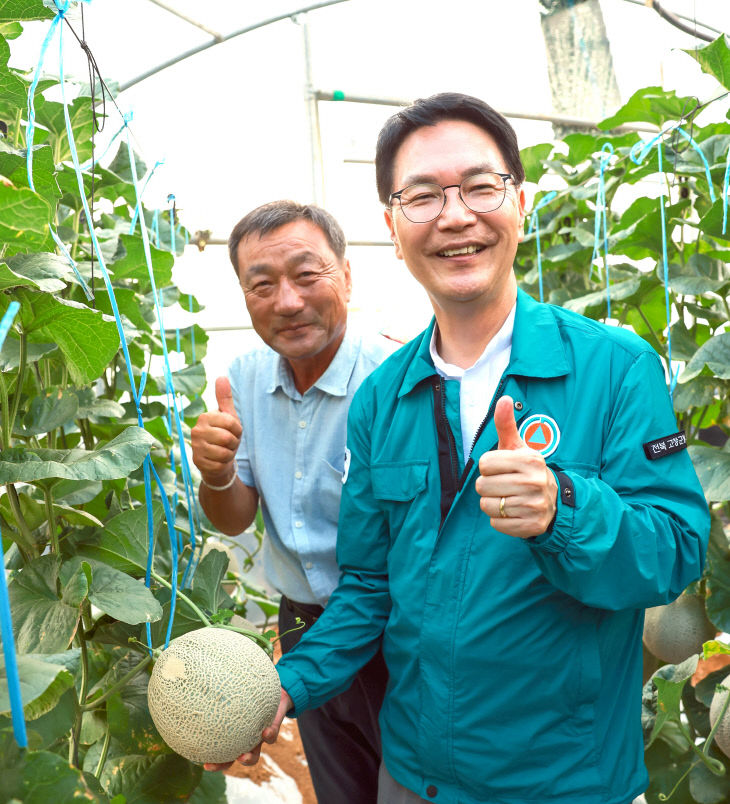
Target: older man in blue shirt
278 437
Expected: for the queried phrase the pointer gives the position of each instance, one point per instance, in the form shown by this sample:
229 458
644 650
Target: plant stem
80 700
22 364
104 751
51 518
657 344
265 643
4 419
665 797
713 765
123 681
16 141
28 544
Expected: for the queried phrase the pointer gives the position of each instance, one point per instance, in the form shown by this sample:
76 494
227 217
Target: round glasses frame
443 188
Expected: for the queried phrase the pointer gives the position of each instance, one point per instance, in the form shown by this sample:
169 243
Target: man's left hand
518 492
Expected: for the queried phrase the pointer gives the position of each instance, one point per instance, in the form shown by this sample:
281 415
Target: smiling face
462 258
296 292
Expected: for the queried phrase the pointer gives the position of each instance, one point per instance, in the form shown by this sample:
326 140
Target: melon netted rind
722 735
211 694
678 630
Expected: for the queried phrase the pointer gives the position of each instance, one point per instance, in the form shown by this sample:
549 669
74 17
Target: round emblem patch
540 433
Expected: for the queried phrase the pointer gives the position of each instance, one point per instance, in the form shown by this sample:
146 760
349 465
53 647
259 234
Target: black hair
433 110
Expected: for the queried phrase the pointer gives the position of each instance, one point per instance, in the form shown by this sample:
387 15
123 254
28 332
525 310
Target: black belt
309 612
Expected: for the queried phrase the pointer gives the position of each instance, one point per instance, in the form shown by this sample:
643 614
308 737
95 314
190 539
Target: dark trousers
341 738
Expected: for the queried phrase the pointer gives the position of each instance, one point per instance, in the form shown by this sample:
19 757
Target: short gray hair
271 216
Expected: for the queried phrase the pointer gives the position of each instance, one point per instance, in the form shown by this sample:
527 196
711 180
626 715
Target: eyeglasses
424 202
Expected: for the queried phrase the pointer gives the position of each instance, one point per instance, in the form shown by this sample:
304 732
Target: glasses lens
422 202
483 192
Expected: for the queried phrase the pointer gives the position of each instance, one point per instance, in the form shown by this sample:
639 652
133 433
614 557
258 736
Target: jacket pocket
398 481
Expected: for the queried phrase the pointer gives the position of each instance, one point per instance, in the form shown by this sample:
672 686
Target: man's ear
348 278
393 234
521 210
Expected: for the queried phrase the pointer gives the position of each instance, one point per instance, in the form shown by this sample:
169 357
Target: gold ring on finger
501 508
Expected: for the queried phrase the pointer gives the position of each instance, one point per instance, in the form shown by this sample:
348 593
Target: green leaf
116 459
24 222
208 579
669 682
717 596
14 10
87 340
649 105
53 409
123 543
43 620
696 393
714 59
188 336
714 648
10 353
713 469
51 116
128 715
211 790
711 222
188 381
122 167
13 162
533 158
46 272
117 594
49 778
150 780
715 354
132 263
97 407
42 683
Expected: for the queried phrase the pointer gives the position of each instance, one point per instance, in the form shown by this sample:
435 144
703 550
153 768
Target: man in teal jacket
515 495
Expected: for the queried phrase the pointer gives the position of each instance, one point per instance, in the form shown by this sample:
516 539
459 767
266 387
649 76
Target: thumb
224 396
504 421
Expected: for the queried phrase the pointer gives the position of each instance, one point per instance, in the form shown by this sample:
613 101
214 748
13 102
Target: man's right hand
216 436
269 735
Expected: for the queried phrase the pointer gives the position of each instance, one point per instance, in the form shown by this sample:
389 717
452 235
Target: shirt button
308 565
298 523
518 405
302 424
567 492
298 475
431 791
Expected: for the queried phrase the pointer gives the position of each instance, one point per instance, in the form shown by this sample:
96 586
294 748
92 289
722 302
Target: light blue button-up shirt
292 452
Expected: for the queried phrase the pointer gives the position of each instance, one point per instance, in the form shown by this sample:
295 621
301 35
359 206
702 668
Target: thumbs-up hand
216 436
518 492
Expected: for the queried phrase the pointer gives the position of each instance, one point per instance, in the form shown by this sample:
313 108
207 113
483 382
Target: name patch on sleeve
668 445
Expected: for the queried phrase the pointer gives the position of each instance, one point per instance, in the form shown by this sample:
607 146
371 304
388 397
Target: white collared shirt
478 382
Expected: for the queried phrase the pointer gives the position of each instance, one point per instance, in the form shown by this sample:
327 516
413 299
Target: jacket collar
537 348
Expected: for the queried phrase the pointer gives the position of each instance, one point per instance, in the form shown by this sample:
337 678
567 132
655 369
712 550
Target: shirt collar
537 348
335 379
501 342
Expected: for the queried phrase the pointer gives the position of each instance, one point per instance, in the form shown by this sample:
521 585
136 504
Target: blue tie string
535 224
6 622
601 221
30 135
725 183
638 154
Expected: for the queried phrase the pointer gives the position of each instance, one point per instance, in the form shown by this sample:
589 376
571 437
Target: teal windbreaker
515 665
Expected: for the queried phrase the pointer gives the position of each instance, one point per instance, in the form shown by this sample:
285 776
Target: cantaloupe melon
722 735
211 694
677 631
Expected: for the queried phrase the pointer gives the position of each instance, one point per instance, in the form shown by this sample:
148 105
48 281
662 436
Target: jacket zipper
490 413
453 454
